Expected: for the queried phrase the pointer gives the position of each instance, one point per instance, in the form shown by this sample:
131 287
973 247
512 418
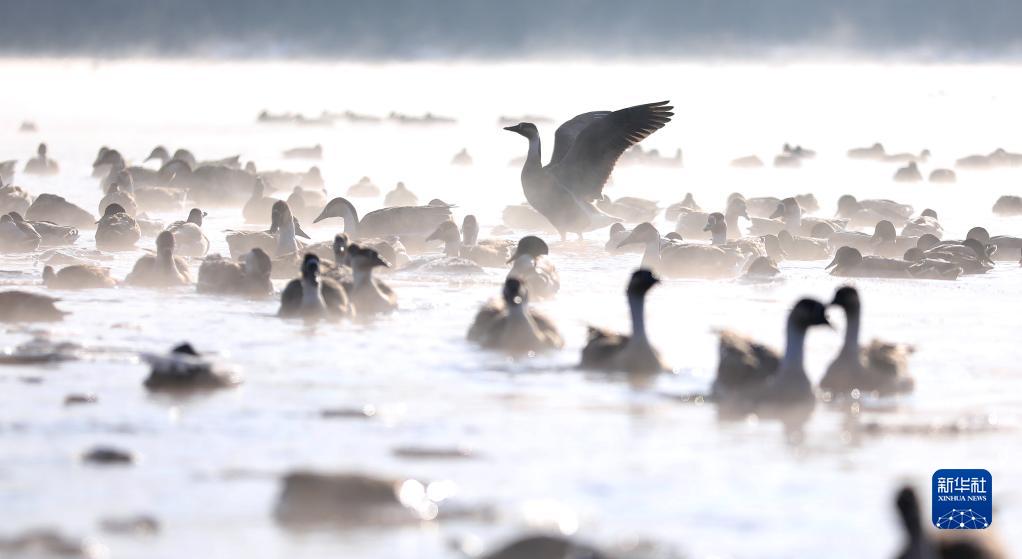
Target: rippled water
551 448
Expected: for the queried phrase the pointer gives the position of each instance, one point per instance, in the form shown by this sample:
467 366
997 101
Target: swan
512 326
585 151
611 351
311 297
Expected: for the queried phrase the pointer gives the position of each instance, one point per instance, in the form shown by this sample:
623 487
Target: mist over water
552 448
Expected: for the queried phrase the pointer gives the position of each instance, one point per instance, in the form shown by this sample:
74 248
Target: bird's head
526 129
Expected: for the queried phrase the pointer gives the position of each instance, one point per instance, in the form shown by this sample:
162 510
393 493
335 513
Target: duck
753 378
1005 206
306 203
17 236
117 230
280 240
364 188
612 351
629 209
249 277
14 199
531 264
585 151
313 152
926 223
78 277
400 196
311 297
875 152
411 224
797 247
162 270
41 164
849 262
367 294
687 203
866 213
258 206
22 306
50 233
55 209
188 236
908 173
951 544
683 260
943 176
1006 246
115 195
512 326
487 256
880 367
462 158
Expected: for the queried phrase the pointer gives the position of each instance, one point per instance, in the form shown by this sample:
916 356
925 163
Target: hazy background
413 29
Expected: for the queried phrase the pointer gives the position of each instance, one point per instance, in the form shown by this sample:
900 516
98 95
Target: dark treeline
507 28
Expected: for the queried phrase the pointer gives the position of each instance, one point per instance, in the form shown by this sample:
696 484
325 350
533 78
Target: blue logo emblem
962 499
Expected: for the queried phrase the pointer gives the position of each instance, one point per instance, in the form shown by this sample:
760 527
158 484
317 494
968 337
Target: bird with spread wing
585 151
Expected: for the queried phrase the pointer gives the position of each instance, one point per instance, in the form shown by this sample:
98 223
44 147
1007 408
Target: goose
312 178
618 233
185 370
117 230
790 213
50 234
22 306
691 224
887 243
629 208
764 206
611 351
470 236
849 262
400 196
313 152
880 367
7 169
115 195
14 199
280 240
748 248
111 167
867 213
1005 206
312 297
921 157
531 263
210 185
926 223
971 255
412 224
752 378
688 203
41 164
761 267
523 217
248 278
512 326
943 176
188 236
368 295
683 260
78 277
462 158
487 256
875 152
908 173
997 158
258 206
969 544
17 236
150 227
55 209
364 188
803 248
162 270
585 151
159 153
306 203
747 162
1007 246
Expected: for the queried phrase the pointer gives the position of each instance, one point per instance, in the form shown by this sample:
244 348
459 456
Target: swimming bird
908 173
511 325
17 236
279 241
22 306
162 270
50 233
248 278
258 207
523 217
1006 246
185 370
312 297
629 209
972 256
943 176
14 199
866 213
532 265
880 367
41 164
488 256
752 378
687 203
313 152
462 158
683 260
188 236
400 196
585 151
789 211
747 247
761 267
849 262
691 224
797 247
412 224
618 233
611 351
470 237
368 294
116 195
875 152
7 169
55 209
1005 206
764 206
926 223
364 188
117 230
78 277
306 203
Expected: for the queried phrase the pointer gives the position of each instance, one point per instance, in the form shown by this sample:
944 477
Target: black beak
298 230
832 264
777 213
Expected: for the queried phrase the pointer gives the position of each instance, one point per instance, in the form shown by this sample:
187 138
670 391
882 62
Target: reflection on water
551 448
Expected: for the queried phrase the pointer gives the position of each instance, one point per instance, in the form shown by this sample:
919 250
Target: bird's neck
452 246
534 159
165 259
286 241
311 296
851 347
637 309
719 236
350 223
792 365
361 277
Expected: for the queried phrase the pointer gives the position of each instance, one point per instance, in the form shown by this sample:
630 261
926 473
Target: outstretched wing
587 165
568 132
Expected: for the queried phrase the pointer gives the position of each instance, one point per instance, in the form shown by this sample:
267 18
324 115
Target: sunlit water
552 448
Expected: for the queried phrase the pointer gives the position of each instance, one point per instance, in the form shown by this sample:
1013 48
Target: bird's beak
434 236
630 239
381 261
832 264
513 257
323 215
511 128
777 213
707 227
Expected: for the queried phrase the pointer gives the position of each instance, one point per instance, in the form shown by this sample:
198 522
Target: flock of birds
339 280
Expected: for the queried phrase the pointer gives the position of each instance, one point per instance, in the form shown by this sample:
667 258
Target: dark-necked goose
866 213
531 264
585 151
162 270
688 203
364 188
259 206
51 234
248 278
78 277
611 351
280 240
510 325
116 195
311 297
117 230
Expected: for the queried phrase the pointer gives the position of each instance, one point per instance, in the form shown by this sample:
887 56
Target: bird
687 203
790 213
797 247
364 188
512 326
629 209
55 209
411 224
531 264
78 277
22 306
249 277
691 224
908 173
116 195
866 213
117 230
1006 246
611 351
470 236
183 369
41 164
682 260
313 152
280 240
400 196
188 236
367 294
487 256
160 270
258 206
17 236
305 203
752 378
1005 206
14 199
50 234
585 151
926 223
879 368
311 297
761 267
849 262
950 544
747 248
616 234
972 256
